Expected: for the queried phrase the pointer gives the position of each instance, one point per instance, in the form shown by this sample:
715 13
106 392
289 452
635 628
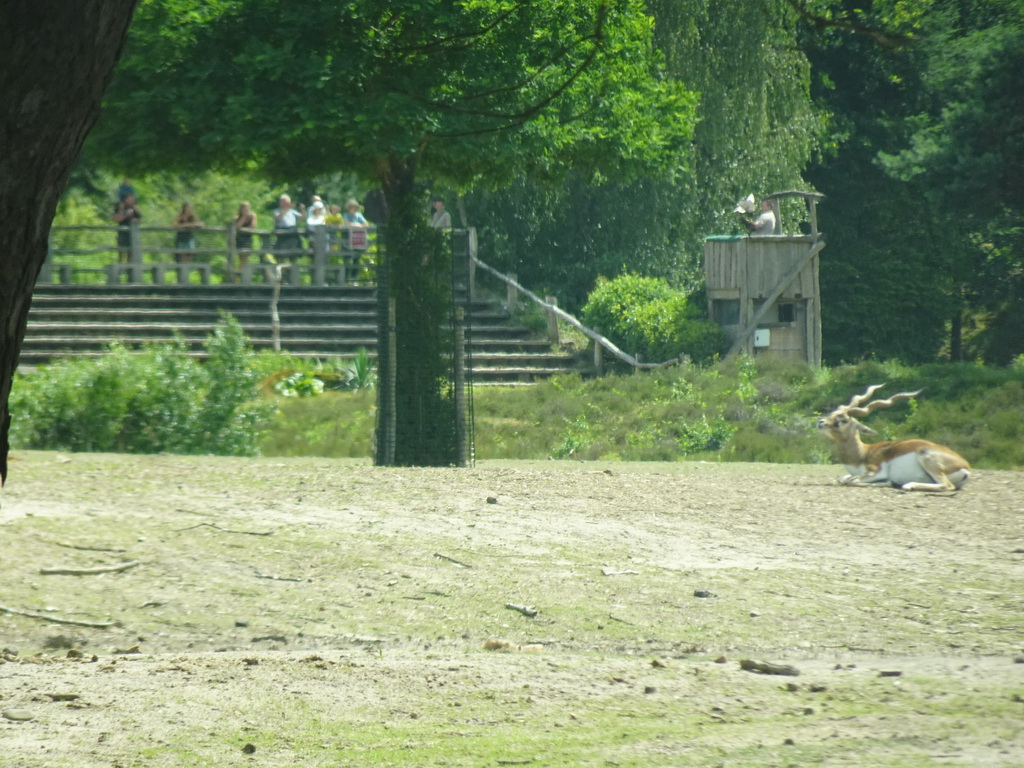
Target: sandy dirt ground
165 611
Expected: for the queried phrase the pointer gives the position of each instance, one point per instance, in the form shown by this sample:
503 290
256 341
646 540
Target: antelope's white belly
903 469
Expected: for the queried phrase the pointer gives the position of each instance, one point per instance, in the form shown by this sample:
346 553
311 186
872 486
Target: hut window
726 311
787 313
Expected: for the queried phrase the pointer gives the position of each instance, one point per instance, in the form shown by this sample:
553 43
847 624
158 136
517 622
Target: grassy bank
740 411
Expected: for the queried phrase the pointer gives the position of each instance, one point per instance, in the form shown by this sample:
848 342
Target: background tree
55 61
399 92
886 265
926 98
966 151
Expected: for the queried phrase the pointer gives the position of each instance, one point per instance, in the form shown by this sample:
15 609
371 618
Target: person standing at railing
440 219
126 188
186 222
125 213
764 224
334 222
286 227
245 223
353 216
317 215
315 219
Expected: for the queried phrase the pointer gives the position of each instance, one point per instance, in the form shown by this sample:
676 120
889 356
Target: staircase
326 323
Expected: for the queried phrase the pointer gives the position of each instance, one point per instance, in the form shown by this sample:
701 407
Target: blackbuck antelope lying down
913 465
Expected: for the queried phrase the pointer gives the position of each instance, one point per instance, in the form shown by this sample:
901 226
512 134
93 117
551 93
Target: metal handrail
561 314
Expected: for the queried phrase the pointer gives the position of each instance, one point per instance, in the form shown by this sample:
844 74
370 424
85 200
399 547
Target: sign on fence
357 239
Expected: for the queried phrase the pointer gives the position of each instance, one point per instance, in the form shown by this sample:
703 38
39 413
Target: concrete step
500 351
128 312
158 331
125 293
482 373
323 323
166 330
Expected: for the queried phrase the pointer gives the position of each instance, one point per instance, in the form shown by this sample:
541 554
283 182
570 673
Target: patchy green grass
739 411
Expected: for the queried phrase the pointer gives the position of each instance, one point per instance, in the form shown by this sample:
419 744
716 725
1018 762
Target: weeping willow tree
757 127
756 130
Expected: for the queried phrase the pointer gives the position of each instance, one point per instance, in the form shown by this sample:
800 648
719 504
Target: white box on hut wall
763 337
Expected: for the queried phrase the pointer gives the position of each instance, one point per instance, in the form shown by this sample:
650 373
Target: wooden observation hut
763 289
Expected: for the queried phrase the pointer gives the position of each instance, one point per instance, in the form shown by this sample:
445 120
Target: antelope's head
842 425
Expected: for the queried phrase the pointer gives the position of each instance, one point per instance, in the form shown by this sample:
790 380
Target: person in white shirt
764 224
286 226
317 214
440 219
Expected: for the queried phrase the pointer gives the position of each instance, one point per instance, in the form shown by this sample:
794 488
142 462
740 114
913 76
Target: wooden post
392 404
232 252
275 317
552 320
182 272
814 307
472 278
46 271
511 294
320 256
598 355
135 273
461 432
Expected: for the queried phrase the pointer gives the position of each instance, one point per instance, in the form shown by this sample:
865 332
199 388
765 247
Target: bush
645 316
152 400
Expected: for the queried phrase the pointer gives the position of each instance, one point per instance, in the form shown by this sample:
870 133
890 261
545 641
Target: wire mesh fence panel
425 404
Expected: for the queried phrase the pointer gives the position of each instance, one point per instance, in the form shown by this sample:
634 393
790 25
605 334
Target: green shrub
645 316
360 372
299 384
152 400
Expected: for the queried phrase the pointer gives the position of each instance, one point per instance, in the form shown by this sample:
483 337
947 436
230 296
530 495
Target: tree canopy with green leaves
456 91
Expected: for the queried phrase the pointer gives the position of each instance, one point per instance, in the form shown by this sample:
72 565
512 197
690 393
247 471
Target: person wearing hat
317 214
353 216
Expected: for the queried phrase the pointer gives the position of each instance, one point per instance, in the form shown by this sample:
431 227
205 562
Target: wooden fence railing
320 257
149 255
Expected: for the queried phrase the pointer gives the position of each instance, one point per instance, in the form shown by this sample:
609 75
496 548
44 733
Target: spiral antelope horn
854 411
858 399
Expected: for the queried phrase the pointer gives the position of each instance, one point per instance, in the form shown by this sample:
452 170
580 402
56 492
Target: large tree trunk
56 58
417 409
